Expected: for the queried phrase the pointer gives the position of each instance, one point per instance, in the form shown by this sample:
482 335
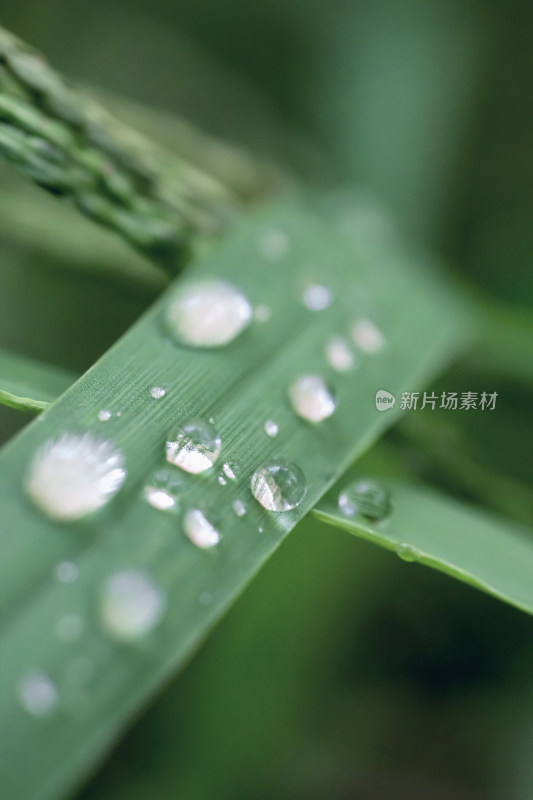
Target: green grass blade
488 552
101 684
28 385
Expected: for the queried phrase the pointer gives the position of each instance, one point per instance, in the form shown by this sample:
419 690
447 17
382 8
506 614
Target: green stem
66 143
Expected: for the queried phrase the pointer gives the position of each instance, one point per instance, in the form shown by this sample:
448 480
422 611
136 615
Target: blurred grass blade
488 552
29 385
272 257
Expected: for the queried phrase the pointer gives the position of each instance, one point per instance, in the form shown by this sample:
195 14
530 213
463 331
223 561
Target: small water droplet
278 485
194 446
367 498
239 508
67 572
271 428
70 627
104 415
312 399
260 530
230 470
131 605
205 599
208 314
262 313
199 530
38 694
159 498
75 475
317 297
406 551
339 354
157 392
367 336
274 244
222 480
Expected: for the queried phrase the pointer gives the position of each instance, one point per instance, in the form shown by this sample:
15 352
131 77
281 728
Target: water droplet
159 498
38 694
67 572
406 551
70 627
199 530
208 314
262 313
367 498
367 336
274 244
157 392
312 399
271 428
230 470
194 446
104 415
222 480
239 508
317 297
278 485
75 475
131 605
339 354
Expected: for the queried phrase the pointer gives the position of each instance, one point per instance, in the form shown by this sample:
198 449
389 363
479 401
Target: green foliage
241 386
431 529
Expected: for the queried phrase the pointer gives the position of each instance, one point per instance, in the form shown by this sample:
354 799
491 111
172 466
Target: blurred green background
342 672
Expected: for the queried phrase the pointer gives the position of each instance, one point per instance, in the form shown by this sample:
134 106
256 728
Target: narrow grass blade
273 258
30 385
488 552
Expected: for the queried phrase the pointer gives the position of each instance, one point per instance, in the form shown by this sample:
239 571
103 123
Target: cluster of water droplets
78 474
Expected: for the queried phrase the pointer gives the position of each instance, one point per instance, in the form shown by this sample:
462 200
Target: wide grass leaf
486 551
272 257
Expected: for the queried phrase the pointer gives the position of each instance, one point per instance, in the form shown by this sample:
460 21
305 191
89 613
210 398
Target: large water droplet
199 530
194 446
312 399
104 415
208 314
367 336
317 297
131 605
278 485
339 354
75 475
367 498
271 428
38 694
